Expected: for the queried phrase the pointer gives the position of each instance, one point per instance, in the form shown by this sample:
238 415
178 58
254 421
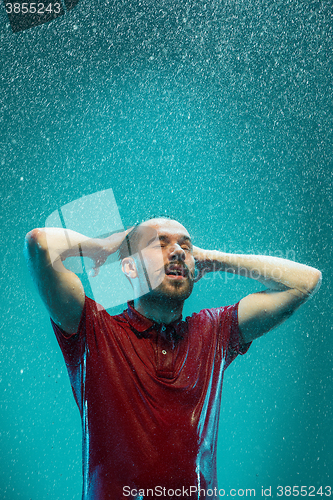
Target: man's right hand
107 246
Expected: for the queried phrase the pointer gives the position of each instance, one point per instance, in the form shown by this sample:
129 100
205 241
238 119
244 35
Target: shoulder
216 323
216 314
94 312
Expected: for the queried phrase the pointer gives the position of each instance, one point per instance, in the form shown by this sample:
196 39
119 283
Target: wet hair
131 243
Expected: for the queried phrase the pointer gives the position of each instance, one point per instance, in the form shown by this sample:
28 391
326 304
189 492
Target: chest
156 363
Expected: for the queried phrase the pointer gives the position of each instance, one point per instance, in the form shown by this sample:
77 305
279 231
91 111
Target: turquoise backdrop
219 114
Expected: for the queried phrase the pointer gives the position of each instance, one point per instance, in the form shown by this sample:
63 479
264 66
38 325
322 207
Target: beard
171 291
164 287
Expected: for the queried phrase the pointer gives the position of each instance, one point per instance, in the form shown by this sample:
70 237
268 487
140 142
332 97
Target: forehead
166 227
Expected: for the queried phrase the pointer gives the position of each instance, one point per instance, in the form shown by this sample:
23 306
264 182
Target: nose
177 253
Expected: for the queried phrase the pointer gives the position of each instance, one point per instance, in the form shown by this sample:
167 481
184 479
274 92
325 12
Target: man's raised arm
60 289
289 284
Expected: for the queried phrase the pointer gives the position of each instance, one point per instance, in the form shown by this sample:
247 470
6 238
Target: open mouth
174 270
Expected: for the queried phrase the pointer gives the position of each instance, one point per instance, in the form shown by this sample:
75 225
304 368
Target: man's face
166 250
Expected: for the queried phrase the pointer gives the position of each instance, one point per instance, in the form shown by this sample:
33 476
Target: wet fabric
149 397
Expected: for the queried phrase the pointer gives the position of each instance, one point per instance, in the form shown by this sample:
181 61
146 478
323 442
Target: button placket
165 358
163 329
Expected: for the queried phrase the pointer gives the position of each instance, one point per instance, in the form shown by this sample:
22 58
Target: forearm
62 243
273 272
57 244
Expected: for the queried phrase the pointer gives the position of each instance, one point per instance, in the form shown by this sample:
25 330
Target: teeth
175 272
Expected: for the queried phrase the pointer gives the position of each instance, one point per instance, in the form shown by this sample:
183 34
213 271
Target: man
147 383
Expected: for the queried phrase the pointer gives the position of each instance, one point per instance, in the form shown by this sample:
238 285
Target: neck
159 309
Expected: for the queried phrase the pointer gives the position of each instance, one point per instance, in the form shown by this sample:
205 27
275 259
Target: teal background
218 114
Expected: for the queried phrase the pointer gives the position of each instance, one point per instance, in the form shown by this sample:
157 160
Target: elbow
319 278
34 241
314 282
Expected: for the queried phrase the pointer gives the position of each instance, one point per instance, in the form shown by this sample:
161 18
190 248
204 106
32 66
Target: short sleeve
72 345
230 328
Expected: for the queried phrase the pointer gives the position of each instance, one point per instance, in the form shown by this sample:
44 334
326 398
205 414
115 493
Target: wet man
147 383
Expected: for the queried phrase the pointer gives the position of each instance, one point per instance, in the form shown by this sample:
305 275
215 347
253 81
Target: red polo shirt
149 397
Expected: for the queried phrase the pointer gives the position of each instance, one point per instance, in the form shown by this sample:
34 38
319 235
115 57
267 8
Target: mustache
191 275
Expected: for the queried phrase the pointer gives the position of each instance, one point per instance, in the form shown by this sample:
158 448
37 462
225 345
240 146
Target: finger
197 275
93 272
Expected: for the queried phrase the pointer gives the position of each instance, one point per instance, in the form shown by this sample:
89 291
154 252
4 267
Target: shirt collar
136 320
145 325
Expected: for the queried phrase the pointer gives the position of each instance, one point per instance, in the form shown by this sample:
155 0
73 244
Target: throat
159 309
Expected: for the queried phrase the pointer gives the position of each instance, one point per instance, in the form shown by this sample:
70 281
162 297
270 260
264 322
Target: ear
128 267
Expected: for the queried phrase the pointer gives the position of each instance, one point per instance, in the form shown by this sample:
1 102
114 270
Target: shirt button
163 328
164 351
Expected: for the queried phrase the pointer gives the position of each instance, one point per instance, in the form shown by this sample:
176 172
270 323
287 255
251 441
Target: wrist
209 260
216 260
